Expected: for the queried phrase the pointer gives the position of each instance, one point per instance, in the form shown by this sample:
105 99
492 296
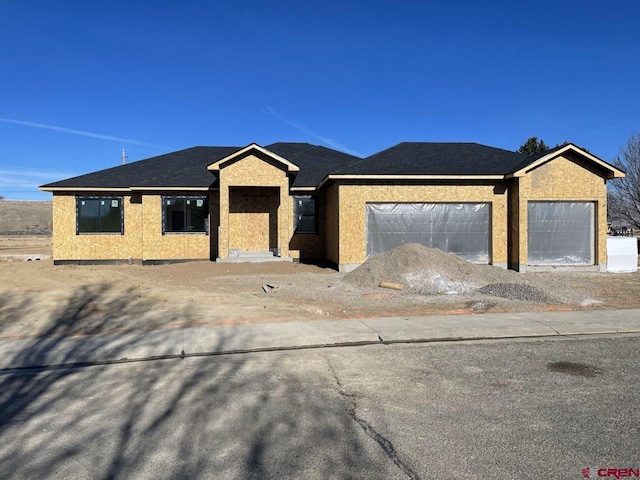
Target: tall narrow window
99 215
305 214
184 214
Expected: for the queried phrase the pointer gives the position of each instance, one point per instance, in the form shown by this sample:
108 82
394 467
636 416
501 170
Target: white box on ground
622 254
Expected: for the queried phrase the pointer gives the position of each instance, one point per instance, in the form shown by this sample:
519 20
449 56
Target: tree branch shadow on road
241 416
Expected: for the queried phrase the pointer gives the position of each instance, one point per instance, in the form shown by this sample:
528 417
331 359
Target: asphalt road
518 409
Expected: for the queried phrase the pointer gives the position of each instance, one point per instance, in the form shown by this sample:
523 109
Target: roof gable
248 150
541 158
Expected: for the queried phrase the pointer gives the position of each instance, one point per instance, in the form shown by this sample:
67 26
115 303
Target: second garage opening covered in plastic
561 233
459 228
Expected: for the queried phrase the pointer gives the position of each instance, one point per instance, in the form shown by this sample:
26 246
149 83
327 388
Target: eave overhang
122 189
409 177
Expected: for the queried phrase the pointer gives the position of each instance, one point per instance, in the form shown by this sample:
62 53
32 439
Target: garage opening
561 233
459 228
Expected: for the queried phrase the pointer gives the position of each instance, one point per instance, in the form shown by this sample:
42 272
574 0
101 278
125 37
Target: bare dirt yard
38 298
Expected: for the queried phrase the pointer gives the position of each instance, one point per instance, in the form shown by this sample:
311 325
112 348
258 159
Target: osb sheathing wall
214 221
67 245
564 179
252 171
253 210
352 216
513 213
332 224
170 246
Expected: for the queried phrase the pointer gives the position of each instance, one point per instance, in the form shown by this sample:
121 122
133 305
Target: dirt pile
425 270
429 271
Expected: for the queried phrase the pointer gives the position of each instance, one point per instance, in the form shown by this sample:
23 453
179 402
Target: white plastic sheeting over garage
561 233
460 228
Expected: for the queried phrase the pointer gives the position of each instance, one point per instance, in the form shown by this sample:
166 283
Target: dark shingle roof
185 168
421 158
188 168
315 162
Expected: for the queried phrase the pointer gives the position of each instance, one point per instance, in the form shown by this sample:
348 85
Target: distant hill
25 218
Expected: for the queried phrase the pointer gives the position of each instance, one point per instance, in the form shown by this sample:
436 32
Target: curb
183 355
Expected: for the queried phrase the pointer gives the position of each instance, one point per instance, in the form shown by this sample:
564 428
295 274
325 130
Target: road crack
384 443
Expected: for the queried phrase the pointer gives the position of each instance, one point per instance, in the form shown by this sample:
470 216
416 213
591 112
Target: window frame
163 206
296 220
109 198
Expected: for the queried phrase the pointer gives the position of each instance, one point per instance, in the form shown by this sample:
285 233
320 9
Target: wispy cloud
298 126
79 132
16 177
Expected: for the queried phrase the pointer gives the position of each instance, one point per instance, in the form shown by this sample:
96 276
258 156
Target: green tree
533 145
624 195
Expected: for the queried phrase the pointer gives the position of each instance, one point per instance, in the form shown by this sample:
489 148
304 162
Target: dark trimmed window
305 214
184 214
99 215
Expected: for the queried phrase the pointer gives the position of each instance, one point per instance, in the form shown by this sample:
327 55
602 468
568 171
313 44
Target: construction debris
393 286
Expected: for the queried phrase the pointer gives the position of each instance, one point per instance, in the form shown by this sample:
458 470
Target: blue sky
81 80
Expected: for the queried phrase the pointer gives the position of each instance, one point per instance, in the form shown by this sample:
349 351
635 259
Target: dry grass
25 218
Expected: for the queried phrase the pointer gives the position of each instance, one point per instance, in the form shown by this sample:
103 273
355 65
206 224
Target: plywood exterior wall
214 221
352 217
67 245
563 179
332 223
513 212
142 238
251 171
170 246
341 236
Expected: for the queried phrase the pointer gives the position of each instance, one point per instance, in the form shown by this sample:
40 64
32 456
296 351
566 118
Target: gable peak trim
220 164
612 172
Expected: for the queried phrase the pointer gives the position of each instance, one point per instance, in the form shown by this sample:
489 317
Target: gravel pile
518 291
429 271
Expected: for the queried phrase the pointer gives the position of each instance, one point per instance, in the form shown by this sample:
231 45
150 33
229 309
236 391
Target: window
305 214
99 215
184 215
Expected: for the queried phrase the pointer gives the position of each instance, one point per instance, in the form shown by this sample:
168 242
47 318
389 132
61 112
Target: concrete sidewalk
177 341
